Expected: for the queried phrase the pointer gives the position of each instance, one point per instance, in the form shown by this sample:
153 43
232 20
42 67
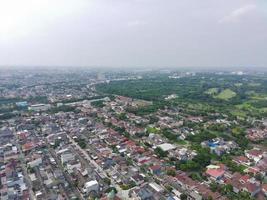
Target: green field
238 113
212 91
198 95
226 94
254 84
238 84
152 129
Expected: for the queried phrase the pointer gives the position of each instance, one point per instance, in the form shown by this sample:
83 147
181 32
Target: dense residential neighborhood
91 135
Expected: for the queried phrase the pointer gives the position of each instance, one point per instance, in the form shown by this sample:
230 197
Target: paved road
24 169
121 193
66 175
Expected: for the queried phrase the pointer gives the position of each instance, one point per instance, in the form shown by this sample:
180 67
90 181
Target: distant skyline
134 33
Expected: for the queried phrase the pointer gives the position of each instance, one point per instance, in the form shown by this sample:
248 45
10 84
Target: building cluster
101 149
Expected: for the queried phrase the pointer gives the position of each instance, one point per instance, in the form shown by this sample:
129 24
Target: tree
153 119
81 143
226 189
213 186
169 188
107 181
183 196
160 153
171 172
99 104
122 116
110 189
259 177
243 196
195 176
129 161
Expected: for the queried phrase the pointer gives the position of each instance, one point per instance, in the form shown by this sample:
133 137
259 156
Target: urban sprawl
136 135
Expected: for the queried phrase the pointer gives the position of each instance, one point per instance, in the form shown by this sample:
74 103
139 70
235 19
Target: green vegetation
171 172
128 186
212 91
99 104
152 129
226 94
232 165
7 116
202 94
63 108
160 153
81 142
202 136
183 196
122 116
107 181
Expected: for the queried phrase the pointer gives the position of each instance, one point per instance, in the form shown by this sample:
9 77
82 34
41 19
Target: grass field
152 129
226 94
263 110
238 84
254 84
239 113
212 91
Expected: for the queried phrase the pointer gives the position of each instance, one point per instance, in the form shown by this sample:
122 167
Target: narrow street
66 175
121 193
24 169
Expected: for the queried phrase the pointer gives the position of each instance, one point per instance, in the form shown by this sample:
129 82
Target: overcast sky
176 33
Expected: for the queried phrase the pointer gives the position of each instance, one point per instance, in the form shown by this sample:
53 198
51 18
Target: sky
134 33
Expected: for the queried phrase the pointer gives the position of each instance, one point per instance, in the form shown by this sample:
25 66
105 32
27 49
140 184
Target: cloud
238 14
136 23
21 18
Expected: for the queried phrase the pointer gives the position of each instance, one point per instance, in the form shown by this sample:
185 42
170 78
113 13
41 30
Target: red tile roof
264 187
155 167
242 159
252 187
27 146
216 172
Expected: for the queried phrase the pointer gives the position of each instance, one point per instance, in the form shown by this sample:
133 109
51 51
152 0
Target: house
155 169
215 172
36 160
171 197
244 183
144 194
256 134
252 188
262 166
156 187
192 188
138 179
242 160
219 146
166 147
252 170
73 165
254 154
67 157
27 147
110 196
264 189
183 154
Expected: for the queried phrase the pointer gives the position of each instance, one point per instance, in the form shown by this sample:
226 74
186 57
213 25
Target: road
121 193
24 169
65 174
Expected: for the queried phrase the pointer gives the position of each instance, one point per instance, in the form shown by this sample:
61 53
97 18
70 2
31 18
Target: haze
130 33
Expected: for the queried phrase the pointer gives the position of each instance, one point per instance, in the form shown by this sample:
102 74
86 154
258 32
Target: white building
35 162
67 157
39 107
90 186
167 147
